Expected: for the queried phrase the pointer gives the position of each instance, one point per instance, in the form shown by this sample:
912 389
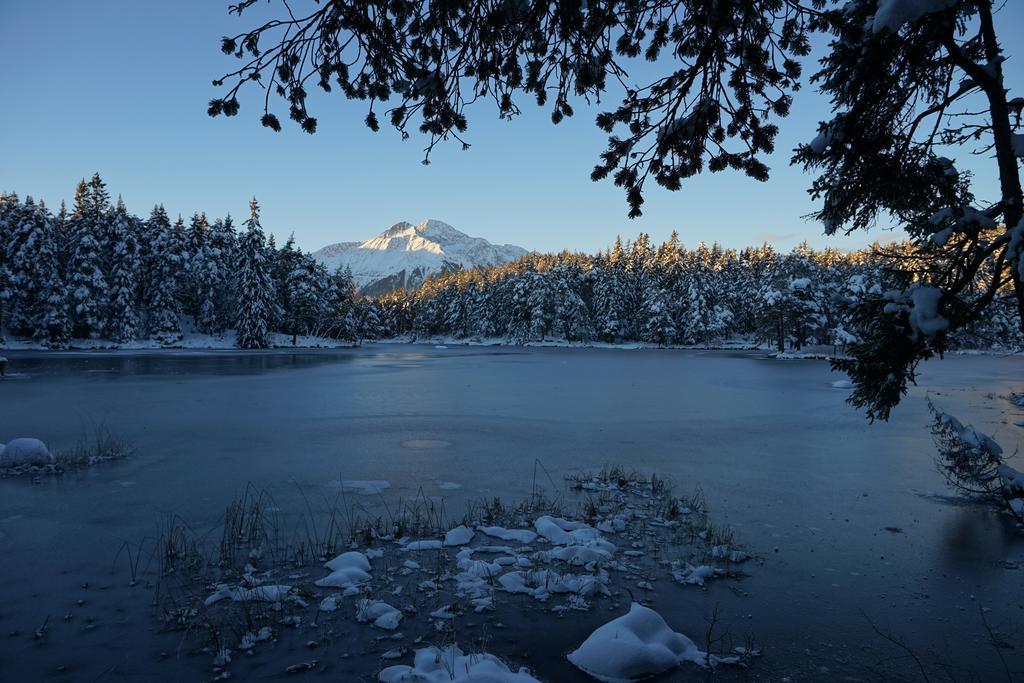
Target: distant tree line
671 295
100 272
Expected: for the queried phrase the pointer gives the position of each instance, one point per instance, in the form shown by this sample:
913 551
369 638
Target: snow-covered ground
842 518
189 340
444 342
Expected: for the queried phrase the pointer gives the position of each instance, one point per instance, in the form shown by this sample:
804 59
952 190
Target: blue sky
120 86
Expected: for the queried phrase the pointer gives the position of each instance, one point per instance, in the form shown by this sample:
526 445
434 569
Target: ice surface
637 645
675 395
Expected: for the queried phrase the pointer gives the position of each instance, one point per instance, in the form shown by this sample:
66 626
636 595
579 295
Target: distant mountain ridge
405 255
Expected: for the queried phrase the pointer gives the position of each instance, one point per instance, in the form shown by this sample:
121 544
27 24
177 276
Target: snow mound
347 570
451 665
460 535
25 451
346 577
696 576
564 532
350 560
636 645
382 614
542 583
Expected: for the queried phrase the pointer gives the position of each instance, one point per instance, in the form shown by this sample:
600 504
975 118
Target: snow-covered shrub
972 462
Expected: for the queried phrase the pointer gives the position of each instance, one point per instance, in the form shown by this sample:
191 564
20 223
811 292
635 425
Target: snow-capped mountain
405 255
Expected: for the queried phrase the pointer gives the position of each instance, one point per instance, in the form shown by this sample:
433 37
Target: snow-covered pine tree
18 227
368 320
198 232
51 322
284 264
87 281
572 320
479 309
256 296
37 301
166 268
340 302
307 292
178 246
205 282
9 204
198 291
659 327
224 253
541 304
608 300
122 311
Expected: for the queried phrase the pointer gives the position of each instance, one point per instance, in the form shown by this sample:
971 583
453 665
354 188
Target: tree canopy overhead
731 68
914 85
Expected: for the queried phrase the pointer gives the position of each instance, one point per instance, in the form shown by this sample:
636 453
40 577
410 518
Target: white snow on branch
924 312
893 14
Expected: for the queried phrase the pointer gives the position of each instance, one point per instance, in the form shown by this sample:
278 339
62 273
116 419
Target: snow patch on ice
451 665
382 614
257 594
521 535
25 451
365 487
460 535
637 645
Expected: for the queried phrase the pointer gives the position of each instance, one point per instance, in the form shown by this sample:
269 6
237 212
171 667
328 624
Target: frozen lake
849 520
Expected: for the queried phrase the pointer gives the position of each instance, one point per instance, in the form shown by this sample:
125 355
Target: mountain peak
405 255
